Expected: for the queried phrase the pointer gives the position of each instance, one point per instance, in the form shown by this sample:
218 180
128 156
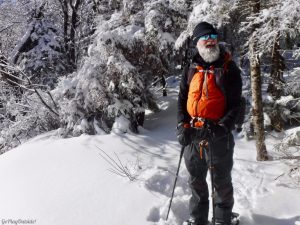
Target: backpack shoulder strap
191 72
193 67
227 60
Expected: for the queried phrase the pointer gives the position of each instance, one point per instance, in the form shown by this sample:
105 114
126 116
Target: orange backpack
206 98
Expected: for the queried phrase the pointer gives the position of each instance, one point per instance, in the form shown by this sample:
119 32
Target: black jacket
232 87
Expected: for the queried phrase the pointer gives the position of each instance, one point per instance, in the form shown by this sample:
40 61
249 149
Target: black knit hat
202 29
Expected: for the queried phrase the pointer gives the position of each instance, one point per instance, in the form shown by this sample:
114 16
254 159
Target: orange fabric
186 125
202 144
201 152
205 99
198 124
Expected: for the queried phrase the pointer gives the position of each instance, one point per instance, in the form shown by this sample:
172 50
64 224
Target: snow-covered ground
54 181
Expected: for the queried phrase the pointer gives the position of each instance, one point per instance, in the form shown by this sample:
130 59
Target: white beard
209 55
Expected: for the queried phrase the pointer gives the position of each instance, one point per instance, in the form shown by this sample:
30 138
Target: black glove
218 130
199 134
184 134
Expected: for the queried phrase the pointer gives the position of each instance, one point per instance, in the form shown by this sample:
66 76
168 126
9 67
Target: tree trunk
277 66
275 86
257 106
70 22
64 7
74 21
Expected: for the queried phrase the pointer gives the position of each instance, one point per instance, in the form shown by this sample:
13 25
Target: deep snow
54 181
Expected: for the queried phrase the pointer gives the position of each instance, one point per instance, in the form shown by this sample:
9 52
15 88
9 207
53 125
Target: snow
284 100
25 37
49 180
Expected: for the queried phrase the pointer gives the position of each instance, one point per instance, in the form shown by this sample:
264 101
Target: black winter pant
222 150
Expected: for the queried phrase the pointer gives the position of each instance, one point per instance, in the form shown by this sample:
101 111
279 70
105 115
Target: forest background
79 65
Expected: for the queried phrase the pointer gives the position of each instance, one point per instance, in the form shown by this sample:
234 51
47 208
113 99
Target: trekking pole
181 154
211 170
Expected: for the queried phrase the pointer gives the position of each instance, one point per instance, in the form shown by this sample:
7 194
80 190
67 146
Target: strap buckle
197 122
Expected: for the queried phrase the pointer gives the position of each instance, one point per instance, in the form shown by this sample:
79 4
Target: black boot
235 220
192 221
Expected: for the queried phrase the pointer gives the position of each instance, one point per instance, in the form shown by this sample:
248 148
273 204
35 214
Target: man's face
208 41
208 47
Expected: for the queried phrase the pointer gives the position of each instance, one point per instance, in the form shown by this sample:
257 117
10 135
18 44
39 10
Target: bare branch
9 26
42 100
38 94
54 103
11 75
118 167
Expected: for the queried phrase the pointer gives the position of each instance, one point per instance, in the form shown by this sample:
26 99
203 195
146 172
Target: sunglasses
208 36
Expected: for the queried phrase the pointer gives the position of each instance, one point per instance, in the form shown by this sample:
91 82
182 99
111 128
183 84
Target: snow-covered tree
40 53
276 23
24 110
216 12
12 23
134 42
23 118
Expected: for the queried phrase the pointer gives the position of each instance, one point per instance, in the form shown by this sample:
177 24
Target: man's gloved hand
218 130
199 134
184 134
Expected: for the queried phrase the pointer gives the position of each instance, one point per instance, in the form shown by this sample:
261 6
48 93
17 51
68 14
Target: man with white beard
208 105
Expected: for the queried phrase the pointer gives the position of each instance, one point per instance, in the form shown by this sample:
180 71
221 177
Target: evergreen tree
40 52
134 42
